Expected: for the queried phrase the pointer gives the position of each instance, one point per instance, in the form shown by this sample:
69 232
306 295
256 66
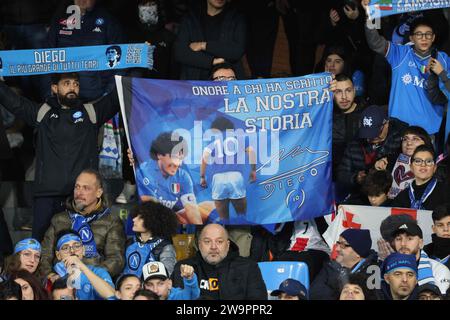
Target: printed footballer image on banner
383 8
75 59
232 152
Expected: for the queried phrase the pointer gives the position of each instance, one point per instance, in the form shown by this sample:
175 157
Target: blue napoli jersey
137 255
167 190
225 156
408 100
87 291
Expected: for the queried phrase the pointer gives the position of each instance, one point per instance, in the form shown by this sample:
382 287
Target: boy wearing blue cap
91 282
400 276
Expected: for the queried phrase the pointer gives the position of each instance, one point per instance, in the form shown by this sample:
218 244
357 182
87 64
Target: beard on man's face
70 99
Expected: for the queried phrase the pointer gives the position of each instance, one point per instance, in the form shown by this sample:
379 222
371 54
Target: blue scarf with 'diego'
81 224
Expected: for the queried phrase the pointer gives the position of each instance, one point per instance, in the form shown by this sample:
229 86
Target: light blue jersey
171 191
86 291
408 100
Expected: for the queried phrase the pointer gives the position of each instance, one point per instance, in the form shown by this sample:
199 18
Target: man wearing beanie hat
400 277
354 255
408 239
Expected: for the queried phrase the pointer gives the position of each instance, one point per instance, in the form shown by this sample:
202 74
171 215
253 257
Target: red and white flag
366 217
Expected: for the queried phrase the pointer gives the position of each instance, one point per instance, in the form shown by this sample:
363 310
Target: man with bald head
221 272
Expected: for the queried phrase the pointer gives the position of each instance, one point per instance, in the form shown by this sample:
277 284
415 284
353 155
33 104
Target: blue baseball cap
28 243
371 120
399 261
291 287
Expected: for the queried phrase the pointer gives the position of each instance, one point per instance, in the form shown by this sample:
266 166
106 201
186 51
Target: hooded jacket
66 139
234 278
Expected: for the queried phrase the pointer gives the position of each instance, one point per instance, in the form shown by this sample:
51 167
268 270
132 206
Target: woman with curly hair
154 225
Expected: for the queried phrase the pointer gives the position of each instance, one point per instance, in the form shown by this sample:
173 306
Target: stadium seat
275 272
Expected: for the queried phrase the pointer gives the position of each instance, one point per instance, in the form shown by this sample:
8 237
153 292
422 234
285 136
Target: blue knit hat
359 240
399 261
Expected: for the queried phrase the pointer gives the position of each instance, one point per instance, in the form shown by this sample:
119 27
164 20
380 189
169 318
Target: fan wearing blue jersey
411 66
154 225
164 180
227 155
91 282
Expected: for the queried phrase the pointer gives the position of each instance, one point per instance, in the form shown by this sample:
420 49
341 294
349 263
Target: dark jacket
239 278
230 46
5 150
345 130
353 158
98 27
164 66
66 139
109 235
331 279
440 195
385 292
439 248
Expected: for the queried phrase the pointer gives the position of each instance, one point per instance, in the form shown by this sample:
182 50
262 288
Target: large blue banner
234 152
75 59
383 8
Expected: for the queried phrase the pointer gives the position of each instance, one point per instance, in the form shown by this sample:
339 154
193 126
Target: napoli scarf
81 224
74 59
425 272
418 204
110 157
138 254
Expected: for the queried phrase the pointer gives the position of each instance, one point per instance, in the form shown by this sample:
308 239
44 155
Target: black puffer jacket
353 158
238 278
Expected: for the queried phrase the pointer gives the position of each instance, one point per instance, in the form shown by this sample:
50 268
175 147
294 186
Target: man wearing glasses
90 282
411 66
425 192
354 255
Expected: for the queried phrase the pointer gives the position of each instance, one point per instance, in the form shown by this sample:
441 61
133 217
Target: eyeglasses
222 78
75 247
421 162
413 139
420 35
343 245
